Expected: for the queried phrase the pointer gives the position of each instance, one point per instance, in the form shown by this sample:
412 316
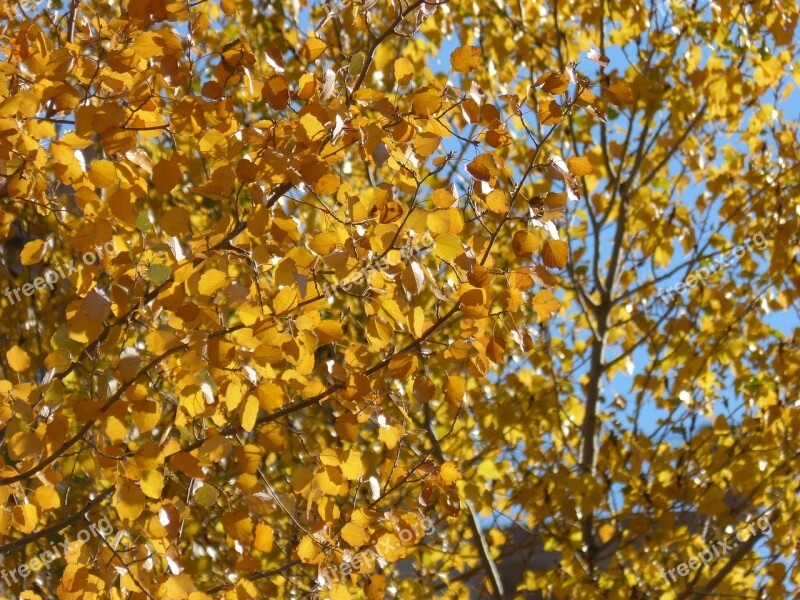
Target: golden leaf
524 243
211 281
33 252
546 304
264 539
403 71
448 474
308 550
355 535
249 413
579 166
129 500
152 484
313 49
18 359
555 254
465 58
455 389
26 517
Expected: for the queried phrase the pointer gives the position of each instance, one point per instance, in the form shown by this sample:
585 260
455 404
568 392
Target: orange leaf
579 166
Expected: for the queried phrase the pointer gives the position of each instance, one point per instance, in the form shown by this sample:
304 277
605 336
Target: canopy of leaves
290 284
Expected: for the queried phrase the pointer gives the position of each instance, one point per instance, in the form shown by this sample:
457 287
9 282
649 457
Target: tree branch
55 528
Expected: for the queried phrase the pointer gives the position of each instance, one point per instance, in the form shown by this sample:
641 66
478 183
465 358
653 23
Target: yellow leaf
524 243
554 84
228 7
447 220
347 427
426 144
443 199
474 302
250 413
391 547
18 359
152 484
239 526
403 365
353 466
26 517
662 255
375 588
339 591
555 199
33 252
175 221
498 201
211 281
544 277
24 444
306 86
546 304
355 535
620 94
128 500
327 185
483 168
391 435
448 246
58 360
96 306
426 102
555 254
264 538
178 587
579 166
286 300
606 532
312 49
465 58
550 113
417 322
329 481
47 498
424 389
308 550
193 403
103 174
145 414
448 474
403 71
454 389
212 142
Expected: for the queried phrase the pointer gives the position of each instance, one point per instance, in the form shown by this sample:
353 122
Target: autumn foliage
300 288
